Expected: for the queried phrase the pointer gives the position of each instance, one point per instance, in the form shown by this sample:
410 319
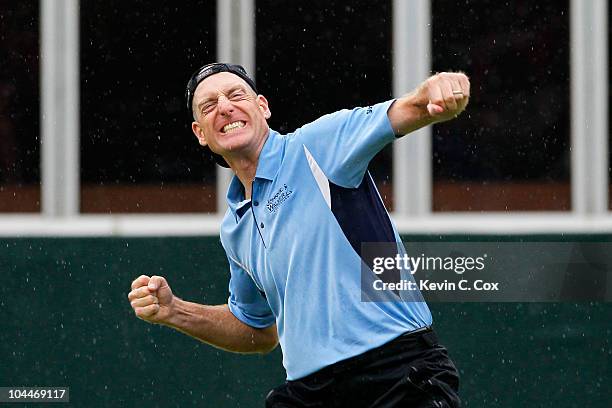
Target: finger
457 89
139 293
465 84
465 88
142 280
436 102
156 282
146 311
144 301
461 106
434 109
447 93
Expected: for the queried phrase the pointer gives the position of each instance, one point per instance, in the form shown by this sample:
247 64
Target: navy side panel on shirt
363 218
361 214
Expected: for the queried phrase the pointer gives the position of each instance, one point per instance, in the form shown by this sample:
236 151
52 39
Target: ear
199 133
263 105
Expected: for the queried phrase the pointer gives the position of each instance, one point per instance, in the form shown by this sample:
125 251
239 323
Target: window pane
511 150
19 107
317 57
138 151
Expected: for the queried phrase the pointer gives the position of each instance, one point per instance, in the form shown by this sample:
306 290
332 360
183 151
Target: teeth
234 125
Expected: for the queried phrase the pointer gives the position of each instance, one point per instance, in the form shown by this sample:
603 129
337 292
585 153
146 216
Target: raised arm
153 301
439 98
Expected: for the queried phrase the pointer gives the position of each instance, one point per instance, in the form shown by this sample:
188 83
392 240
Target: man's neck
245 171
245 167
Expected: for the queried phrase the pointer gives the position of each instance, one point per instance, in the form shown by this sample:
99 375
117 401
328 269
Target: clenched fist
439 98
151 298
445 94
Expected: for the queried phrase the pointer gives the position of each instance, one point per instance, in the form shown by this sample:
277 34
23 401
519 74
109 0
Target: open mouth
230 127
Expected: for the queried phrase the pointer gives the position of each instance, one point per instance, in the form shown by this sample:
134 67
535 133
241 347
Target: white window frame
412 169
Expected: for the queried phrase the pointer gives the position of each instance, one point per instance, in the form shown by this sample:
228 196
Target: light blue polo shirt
294 248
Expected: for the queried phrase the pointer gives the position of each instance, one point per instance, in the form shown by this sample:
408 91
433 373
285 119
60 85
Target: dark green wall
65 321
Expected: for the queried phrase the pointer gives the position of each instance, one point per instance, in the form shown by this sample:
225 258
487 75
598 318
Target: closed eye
237 95
207 108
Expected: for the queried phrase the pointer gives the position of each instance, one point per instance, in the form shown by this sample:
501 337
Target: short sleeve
343 143
246 301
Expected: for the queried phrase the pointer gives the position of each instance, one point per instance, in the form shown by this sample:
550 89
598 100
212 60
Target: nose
225 106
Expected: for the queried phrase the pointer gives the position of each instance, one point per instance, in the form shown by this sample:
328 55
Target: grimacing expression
228 116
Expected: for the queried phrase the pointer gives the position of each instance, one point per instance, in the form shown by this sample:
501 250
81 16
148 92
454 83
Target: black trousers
412 371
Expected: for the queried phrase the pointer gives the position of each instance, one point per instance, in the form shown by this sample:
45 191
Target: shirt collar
268 164
270 157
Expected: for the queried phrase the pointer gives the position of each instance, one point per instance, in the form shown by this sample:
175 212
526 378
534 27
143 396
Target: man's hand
151 298
439 98
445 95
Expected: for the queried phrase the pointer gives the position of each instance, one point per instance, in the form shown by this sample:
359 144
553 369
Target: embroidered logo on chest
280 197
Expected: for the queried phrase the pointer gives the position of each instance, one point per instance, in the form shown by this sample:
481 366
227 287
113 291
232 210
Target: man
300 206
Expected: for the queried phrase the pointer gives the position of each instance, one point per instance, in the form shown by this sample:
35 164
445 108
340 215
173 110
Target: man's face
228 116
